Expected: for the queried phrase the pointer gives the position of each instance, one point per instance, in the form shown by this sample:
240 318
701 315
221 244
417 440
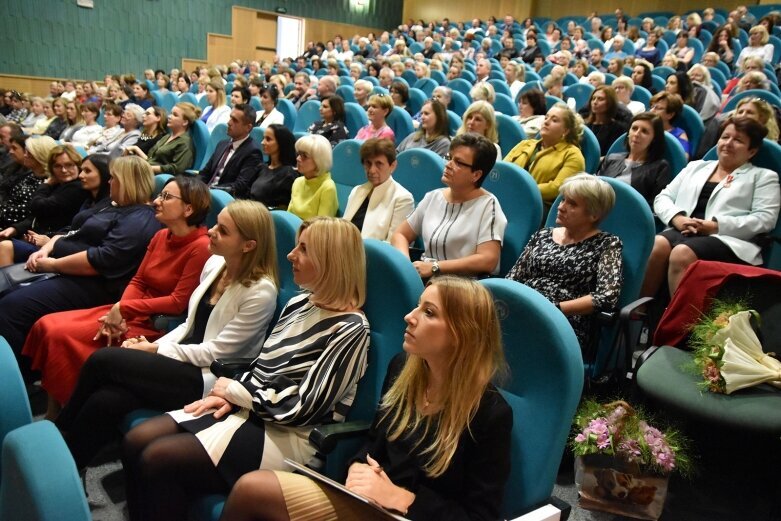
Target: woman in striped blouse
306 374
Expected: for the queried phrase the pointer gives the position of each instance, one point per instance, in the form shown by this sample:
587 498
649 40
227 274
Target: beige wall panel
190 65
466 10
37 86
323 30
559 8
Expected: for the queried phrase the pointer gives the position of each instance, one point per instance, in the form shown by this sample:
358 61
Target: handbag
14 276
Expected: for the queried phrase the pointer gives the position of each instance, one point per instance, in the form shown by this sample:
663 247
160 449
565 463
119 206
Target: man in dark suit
235 161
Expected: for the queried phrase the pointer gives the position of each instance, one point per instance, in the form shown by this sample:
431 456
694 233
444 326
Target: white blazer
236 327
747 207
389 204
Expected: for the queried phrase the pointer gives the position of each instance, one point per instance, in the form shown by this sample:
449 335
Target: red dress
59 343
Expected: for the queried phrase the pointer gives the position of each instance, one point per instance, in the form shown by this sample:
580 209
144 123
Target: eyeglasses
66 166
164 196
304 155
448 158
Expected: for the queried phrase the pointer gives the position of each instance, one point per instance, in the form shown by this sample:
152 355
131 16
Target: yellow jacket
551 166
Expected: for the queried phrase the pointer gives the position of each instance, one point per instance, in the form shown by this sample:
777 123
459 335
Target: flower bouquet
623 463
727 351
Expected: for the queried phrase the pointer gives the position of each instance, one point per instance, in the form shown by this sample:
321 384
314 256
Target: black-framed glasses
164 196
448 158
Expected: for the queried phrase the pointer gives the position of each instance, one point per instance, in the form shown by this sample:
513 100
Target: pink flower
580 438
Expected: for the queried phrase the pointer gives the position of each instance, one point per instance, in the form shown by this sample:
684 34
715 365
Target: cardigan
174 156
389 205
745 207
311 197
550 167
440 145
52 207
236 327
213 117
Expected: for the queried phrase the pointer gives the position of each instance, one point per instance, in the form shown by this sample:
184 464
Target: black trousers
116 381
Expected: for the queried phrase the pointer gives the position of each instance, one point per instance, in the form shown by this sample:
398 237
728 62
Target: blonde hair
572 121
426 70
598 195
135 176
476 357
254 223
40 148
336 249
766 114
190 112
486 110
319 149
483 91
705 73
383 101
219 88
761 29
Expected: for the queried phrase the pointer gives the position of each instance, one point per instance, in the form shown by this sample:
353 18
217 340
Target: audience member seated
300 93
668 107
464 475
751 80
362 90
73 119
132 118
715 209
623 87
604 118
706 96
269 115
531 51
643 165
95 262
174 153
721 44
682 51
60 343
380 106
240 96
35 115
556 155
758 45
378 206
141 95
313 193
236 160
314 357
515 76
480 118
217 111
650 52
531 111
32 155
154 122
274 180
642 76
702 99
112 131
51 207
60 122
461 226
91 129
326 86
18 111
399 93
434 130
762 111
331 126
575 265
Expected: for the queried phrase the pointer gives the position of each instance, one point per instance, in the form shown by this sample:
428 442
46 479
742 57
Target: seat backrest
589 145
355 118
401 123
550 101
500 86
461 85
219 200
427 85
286 227
219 133
752 93
409 76
160 181
521 202
16 410
632 221
543 389
510 133
419 170
673 152
159 98
439 77
188 97
416 100
286 107
170 100
347 171
346 92
663 71
308 113
580 92
642 95
459 102
200 136
691 123
40 482
504 104
454 122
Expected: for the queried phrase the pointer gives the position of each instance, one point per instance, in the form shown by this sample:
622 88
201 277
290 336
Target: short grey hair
597 193
319 149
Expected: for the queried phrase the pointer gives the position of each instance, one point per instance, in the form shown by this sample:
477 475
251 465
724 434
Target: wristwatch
435 269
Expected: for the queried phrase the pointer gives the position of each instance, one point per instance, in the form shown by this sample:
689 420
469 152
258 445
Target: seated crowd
79 211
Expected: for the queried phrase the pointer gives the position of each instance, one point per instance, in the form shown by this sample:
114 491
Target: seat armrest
645 355
325 437
230 367
627 312
163 322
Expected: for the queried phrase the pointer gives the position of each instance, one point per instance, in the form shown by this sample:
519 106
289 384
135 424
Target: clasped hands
214 400
113 327
370 480
693 226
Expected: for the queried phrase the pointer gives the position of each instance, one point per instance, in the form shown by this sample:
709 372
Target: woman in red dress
59 343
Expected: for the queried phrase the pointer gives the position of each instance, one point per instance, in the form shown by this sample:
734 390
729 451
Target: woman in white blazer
714 209
228 315
378 206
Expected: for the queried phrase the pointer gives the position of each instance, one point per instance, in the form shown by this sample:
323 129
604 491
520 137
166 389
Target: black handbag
15 276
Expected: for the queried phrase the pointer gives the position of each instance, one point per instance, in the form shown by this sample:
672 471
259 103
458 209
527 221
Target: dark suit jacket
241 169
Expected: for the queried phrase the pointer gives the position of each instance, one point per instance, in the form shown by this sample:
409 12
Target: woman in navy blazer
714 209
